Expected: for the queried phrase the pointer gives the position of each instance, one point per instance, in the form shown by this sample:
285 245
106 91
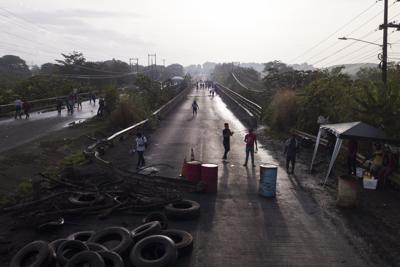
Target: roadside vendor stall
350 130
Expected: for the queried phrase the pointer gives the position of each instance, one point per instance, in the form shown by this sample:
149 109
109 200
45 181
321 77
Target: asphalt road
14 133
237 227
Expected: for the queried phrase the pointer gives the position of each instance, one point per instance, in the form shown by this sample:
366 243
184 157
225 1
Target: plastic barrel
268 176
347 191
193 171
209 176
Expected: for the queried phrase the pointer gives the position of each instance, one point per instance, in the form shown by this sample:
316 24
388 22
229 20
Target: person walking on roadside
291 150
79 101
195 107
18 108
101 107
93 98
141 143
26 107
250 139
59 105
226 133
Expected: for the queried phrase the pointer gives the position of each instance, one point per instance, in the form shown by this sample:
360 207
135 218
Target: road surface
17 132
237 227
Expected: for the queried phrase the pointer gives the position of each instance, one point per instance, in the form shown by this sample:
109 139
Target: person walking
291 150
226 133
195 107
26 107
93 98
250 139
70 104
141 143
59 105
18 108
79 101
101 107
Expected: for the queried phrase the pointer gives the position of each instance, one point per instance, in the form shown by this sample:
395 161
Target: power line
341 28
342 49
353 31
73 43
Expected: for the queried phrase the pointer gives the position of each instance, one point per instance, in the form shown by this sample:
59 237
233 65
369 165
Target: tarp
355 130
349 130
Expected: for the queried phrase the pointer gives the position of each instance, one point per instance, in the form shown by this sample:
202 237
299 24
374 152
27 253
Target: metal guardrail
98 148
253 108
40 103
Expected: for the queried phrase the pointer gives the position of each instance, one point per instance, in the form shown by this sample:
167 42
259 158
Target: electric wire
338 30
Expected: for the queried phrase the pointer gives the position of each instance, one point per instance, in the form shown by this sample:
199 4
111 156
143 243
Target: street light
359 40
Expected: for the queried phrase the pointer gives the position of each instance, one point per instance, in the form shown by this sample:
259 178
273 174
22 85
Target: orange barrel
193 171
209 175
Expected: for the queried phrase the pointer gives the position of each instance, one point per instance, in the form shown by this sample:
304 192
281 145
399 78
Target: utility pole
153 67
163 62
385 26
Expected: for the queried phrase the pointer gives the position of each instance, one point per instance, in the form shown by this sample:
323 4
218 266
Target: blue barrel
268 175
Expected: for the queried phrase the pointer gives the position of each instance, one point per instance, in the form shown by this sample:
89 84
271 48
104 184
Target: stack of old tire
151 244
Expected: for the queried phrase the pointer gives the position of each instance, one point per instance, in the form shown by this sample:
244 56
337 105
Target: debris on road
145 245
77 192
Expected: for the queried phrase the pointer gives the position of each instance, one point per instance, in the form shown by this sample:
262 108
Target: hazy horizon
194 32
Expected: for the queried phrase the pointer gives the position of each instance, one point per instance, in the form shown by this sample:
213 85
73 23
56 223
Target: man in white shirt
141 143
18 108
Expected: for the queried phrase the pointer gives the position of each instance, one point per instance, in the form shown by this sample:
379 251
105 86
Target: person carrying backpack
141 144
291 150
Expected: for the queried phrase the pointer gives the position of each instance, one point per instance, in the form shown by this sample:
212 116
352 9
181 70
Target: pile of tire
151 244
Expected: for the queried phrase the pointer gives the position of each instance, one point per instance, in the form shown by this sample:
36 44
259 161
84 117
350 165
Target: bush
282 112
111 98
129 111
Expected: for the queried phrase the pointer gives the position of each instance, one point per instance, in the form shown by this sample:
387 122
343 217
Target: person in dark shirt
352 156
226 133
291 150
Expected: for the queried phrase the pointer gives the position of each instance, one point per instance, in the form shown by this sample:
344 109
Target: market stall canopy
355 130
349 130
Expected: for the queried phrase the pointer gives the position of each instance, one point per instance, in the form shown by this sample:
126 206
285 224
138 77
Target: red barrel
209 175
193 171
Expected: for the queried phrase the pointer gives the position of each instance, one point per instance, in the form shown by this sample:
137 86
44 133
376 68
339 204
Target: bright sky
192 32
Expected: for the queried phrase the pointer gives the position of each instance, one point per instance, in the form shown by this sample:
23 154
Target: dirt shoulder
22 163
371 227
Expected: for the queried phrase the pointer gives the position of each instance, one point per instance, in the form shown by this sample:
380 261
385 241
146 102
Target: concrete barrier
240 106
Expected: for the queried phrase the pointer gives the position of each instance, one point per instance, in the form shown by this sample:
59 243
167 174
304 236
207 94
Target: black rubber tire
55 244
43 258
89 258
183 210
108 234
78 199
75 246
95 247
147 229
112 259
182 239
144 253
157 216
81 236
